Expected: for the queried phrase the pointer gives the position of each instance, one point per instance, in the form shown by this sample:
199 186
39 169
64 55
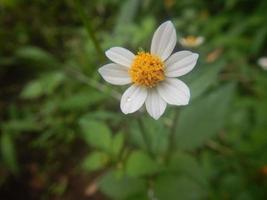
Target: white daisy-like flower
263 62
191 41
152 74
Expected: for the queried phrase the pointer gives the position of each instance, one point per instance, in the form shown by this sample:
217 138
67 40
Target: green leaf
121 187
44 85
127 13
156 132
170 187
202 120
81 100
37 56
203 78
95 161
140 164
117 143
51 81
186 165
26 124
32 90
96 134
101 115
258 41
9 153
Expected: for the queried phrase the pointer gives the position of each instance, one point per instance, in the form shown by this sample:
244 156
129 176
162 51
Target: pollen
147 70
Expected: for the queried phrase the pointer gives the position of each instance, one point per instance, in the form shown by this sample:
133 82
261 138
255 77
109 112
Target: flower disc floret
147 70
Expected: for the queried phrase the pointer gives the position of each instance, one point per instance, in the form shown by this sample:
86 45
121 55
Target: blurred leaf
100 115
81 100
184 164
203 119
60 187
32 90
9 153
26 124
140 164
141 37
114 118
127 13
117 143
169 187
44 85
95 161
203 78
36 55
156 133
118 187
8 3
50 81
258 41
96 134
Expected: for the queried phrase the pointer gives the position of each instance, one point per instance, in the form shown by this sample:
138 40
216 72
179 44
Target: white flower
152 74
191 41
263 62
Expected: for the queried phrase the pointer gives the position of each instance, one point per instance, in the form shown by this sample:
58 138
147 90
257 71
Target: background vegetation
62 135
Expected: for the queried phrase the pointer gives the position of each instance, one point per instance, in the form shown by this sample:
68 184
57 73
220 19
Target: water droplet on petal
128 99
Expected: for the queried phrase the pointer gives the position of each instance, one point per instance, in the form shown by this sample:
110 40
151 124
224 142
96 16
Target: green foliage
95 161
8 153
203 78
140 164
204 119
45 85
156 133
183 164
121 187
171 187
82 100
96 134
117 144
36 56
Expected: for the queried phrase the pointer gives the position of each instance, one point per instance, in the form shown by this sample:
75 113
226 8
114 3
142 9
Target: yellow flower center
191 39
147 69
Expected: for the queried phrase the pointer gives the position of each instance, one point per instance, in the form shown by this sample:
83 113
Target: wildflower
263 170
191 41
214 55
263 62
169 3
152 74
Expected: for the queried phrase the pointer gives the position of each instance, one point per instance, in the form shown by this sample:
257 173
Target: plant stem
172 141
89 28
92 83
145 136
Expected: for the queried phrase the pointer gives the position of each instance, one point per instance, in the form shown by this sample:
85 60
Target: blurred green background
62 135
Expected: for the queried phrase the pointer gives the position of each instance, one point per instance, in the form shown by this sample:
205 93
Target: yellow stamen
147 69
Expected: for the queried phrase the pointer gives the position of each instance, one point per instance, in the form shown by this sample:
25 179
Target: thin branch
145 136
172 141
92 83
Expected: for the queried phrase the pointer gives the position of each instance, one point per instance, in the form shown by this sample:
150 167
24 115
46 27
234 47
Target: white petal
180 63
174 91
115 74
133 98
155 105
164 40
120 56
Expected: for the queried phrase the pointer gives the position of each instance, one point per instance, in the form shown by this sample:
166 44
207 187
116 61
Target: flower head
191 41
263 62
152 74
